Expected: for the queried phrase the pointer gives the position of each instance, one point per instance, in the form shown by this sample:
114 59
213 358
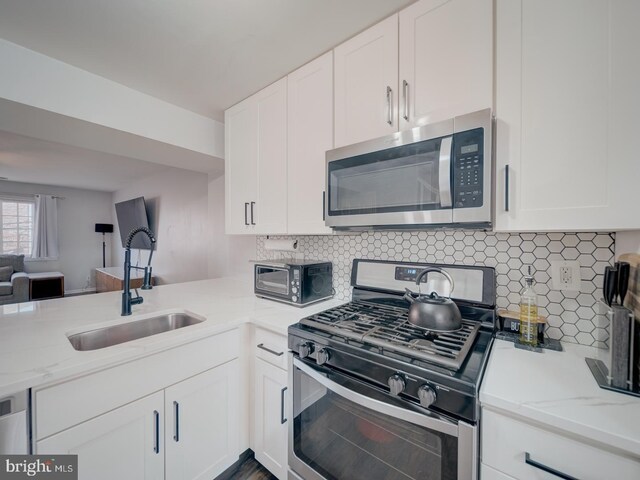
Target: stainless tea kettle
433 312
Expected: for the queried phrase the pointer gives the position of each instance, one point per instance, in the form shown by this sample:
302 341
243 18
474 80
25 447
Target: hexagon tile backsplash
572 316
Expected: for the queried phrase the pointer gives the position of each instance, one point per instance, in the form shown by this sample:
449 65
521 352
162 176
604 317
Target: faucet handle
146 283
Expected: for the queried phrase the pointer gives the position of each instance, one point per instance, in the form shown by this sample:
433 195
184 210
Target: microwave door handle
429 421
445 172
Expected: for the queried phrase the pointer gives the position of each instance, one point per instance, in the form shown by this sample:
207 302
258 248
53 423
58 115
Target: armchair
16 290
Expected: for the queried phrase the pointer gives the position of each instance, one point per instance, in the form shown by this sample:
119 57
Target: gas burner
387 327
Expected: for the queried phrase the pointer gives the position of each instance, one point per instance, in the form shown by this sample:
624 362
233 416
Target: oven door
272 281
342 428
402 179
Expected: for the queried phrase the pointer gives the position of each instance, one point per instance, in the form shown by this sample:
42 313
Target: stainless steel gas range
375 397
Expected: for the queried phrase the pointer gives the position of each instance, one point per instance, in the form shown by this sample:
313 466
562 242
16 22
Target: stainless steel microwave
437 175
293 282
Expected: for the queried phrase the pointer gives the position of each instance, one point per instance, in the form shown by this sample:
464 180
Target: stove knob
305 349
427 396
396 384
322 356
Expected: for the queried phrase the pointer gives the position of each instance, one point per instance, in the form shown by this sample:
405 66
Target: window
16 222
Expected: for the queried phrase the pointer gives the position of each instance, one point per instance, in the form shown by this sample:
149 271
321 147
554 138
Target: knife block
621 347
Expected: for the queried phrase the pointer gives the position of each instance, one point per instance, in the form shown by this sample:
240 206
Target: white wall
627 242
80 246
228 254
177 207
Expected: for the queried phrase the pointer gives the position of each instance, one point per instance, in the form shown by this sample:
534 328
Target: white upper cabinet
567 108
256 163
241 157
270 207
310 135
366 84
446 60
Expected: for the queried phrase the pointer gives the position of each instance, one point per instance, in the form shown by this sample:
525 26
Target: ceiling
30 160
203 55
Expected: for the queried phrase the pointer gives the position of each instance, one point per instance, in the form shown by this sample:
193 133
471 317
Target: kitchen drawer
505 441
66 404
271 347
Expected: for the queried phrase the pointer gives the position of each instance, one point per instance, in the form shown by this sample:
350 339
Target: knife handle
624 270
610 286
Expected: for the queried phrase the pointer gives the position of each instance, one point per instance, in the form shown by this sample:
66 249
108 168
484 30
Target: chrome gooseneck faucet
127 301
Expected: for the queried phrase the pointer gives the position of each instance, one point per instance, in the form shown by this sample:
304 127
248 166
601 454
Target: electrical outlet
565 275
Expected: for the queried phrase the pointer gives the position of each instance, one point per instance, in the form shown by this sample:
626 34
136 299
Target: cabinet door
269 212
126 443
446 60
270 434
241 157
310 135
366 84
201 435
566 109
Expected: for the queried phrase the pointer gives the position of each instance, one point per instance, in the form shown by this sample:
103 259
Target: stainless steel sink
126 332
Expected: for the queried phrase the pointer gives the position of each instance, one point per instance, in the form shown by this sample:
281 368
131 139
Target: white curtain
45 231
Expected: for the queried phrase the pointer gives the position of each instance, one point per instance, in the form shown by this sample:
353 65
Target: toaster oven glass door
272 280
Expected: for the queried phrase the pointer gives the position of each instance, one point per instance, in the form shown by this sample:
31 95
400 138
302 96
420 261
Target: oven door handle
427 420
444 168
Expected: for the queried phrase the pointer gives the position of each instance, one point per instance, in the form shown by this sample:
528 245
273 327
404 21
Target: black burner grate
388 328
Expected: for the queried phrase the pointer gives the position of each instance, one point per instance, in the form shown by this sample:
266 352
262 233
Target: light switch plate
565 275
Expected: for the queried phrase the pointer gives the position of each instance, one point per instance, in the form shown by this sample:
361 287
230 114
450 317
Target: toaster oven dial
427 396
294 289
322 356
305 349
396 384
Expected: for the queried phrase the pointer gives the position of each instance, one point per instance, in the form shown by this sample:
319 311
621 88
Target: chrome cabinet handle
273 352
176 426
246 205
540 466
282 419
506 188
444 172
405 94
389 107
252 205
156 432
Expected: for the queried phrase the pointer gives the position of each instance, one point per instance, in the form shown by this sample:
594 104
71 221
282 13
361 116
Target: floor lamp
104 228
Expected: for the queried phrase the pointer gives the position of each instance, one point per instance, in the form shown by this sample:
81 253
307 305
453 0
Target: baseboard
80 291
228 473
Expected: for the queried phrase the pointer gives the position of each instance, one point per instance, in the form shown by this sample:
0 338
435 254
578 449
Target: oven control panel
468 169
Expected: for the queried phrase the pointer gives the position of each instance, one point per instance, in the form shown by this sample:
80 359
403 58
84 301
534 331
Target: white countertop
34 348
557 389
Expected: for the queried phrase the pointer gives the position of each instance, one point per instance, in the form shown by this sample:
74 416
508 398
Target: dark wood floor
250 469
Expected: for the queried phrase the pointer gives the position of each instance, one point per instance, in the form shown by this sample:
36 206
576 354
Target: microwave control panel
468 169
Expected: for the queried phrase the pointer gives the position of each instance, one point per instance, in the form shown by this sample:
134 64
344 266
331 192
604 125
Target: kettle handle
436 270
408 296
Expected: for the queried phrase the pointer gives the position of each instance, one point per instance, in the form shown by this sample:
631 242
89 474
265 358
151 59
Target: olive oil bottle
529 313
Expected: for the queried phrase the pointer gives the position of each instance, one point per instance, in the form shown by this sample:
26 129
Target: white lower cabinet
123 444
270 425
270 418
201 432
508 442
488 473
175 415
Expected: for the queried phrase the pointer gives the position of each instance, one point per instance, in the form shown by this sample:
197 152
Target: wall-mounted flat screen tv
132 214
